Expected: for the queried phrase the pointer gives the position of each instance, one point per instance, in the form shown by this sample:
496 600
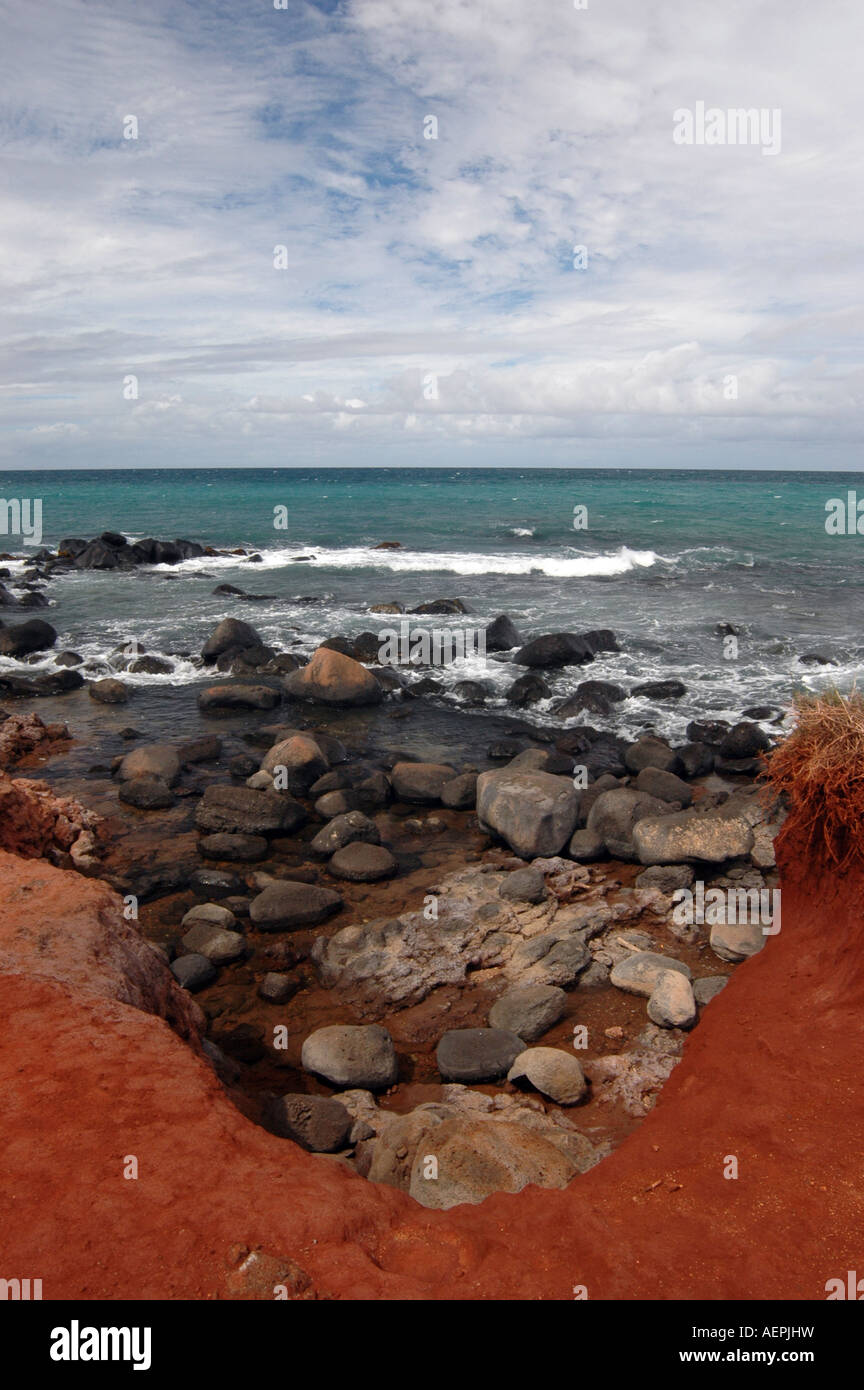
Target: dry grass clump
820 770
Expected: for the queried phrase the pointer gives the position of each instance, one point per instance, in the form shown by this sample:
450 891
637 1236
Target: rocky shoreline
453 977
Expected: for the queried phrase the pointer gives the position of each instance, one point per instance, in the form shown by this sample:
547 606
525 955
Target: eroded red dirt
771 1075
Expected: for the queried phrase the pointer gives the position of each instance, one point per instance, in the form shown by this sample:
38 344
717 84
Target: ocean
664 558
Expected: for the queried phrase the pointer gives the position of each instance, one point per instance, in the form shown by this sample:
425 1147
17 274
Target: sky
347 232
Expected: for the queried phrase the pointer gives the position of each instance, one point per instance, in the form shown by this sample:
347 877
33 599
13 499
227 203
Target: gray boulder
242 811
108 691
460 793
302 760
276 988
710 836
288 904
347 1055
665 786
640 972
477 1054
672 1003
529 1011
420 782
212 913
217 944
534 812
736 941
586 847
229 635
615 815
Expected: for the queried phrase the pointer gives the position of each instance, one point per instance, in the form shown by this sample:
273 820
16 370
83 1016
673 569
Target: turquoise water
665 557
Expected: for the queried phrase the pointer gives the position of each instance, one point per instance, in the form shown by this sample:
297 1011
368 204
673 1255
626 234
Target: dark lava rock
472 692
317 1123
288 904
651 751
362 863
477 1054
244 811
277 989
710 731
524 886
212 884
147 794
759 712
109 691
229 635
661 690
697 759
527 690
23 638
193 972
555 649
151 666
817 659
744 740
502 635
442 605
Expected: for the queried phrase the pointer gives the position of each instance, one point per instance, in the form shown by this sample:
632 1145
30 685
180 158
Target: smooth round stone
672 1003
277 989
193 972
555 1074
363 863
349 1055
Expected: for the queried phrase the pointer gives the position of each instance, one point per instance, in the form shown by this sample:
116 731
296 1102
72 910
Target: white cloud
410 256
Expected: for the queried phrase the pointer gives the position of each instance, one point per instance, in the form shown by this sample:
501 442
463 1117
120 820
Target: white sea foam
572 565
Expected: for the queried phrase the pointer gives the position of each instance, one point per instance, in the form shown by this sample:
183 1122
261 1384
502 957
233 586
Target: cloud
409 259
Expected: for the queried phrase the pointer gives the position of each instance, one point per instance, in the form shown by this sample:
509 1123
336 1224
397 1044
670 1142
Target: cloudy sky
427 305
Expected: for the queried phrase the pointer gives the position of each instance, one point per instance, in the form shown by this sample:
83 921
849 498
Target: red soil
771 1075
